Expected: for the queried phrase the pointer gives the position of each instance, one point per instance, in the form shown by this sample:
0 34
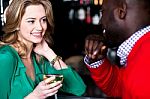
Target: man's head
122 18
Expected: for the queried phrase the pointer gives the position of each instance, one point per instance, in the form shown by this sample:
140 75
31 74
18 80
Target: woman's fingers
52 85
48 80
43 90
52 88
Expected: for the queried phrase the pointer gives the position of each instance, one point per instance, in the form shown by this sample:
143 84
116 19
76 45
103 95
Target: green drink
58 77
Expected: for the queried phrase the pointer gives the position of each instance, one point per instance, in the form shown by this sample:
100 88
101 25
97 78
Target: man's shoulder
145 38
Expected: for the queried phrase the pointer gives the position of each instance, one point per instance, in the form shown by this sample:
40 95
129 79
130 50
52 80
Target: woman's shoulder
8 58
7 51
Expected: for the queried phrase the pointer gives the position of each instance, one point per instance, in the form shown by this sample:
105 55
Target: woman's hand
44 50
41 48
44 89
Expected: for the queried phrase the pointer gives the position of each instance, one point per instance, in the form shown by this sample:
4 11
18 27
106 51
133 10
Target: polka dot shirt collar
126 47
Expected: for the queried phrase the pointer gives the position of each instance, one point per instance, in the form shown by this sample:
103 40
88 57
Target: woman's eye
30 21
44 20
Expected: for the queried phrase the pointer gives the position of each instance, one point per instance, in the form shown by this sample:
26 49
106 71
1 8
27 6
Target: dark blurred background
74 20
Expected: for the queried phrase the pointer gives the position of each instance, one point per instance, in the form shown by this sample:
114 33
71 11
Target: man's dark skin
120 19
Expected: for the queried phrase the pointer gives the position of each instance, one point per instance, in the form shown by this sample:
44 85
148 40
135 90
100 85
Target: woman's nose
38 26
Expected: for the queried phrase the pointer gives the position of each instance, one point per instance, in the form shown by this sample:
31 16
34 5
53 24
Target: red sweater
131 81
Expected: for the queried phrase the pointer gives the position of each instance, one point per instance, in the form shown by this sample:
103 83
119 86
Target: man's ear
121 11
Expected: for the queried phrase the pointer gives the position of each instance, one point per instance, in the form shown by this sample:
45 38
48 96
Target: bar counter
77 97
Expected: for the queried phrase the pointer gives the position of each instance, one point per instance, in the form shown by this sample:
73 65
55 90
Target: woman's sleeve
6 72
72 82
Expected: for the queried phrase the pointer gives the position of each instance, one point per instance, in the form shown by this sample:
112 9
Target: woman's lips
36 34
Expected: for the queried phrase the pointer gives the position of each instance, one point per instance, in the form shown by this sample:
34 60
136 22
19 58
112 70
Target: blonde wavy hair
14 16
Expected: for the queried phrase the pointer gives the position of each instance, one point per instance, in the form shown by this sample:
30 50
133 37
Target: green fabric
15 84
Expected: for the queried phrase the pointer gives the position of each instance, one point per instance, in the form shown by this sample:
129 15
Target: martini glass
58 77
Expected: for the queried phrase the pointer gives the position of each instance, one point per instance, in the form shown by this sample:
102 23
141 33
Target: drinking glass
58 77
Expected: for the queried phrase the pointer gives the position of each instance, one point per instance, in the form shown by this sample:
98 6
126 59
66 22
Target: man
126 25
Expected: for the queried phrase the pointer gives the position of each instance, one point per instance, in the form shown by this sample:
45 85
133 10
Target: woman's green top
16 84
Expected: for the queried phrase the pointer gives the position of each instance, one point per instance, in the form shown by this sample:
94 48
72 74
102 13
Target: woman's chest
22 84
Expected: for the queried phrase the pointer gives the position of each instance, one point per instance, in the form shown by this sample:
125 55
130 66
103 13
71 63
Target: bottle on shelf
100 2
95 2
71 14
95 19
81 14
88 15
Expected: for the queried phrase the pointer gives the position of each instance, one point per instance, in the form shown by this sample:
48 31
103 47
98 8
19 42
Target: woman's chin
37 41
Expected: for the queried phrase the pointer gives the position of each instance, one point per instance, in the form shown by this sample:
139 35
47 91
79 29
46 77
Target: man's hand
94 47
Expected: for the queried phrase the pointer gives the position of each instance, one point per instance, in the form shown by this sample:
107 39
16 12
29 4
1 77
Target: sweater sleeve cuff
94 64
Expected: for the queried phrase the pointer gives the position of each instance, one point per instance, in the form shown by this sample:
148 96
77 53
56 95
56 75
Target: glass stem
56 96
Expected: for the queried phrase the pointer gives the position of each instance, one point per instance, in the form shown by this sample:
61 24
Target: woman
26 55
